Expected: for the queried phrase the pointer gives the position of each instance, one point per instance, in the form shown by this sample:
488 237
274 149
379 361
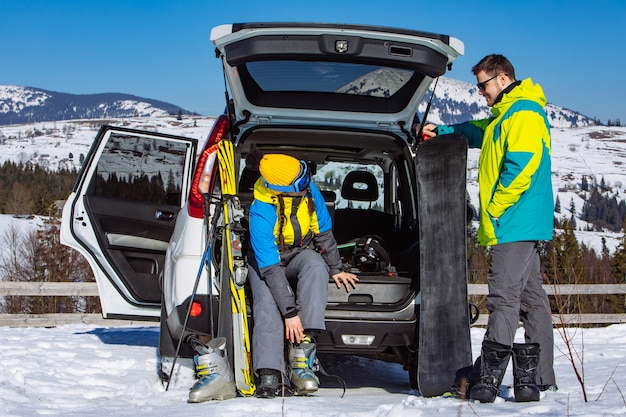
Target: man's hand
427 132
346 279
293 329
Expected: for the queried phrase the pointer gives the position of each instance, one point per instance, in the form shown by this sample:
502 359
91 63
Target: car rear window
331 176
328 85
328 77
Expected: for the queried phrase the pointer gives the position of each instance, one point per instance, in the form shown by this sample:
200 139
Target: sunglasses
481 86
299 184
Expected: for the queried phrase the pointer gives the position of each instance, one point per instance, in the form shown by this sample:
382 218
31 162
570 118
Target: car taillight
196 309
206 169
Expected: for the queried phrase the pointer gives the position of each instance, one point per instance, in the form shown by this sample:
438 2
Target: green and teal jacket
514 168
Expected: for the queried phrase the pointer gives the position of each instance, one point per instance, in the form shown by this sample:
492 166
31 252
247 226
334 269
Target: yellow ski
236 269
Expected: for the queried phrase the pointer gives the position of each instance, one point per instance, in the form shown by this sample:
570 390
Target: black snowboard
444 332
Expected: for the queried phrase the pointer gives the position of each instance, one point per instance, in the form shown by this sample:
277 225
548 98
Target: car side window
135 167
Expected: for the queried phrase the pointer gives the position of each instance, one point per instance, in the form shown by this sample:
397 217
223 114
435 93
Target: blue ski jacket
514 168
300 230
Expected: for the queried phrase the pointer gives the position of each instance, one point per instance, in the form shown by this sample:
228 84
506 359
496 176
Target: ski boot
216 380
302 362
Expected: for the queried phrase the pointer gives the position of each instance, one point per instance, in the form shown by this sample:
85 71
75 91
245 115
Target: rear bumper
345 329
347 336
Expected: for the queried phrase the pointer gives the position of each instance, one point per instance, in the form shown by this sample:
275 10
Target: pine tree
572 220
477 257
605 250
557 205
564 266
618 263
477 265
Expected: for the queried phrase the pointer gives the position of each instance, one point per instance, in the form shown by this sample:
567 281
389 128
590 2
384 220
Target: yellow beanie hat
279 169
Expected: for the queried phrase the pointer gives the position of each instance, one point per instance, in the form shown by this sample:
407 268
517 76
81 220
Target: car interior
373 215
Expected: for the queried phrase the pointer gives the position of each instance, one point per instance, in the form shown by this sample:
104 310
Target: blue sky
160 49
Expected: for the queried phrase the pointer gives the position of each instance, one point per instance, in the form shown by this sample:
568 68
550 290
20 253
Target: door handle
164 215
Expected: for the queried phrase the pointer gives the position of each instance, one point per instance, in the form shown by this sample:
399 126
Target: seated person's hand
346 279
294 332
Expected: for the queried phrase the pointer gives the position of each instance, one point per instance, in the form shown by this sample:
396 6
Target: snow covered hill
60 144
597 152
28 104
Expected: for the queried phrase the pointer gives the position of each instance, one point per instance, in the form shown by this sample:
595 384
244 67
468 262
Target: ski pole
193 296
209 231
420 136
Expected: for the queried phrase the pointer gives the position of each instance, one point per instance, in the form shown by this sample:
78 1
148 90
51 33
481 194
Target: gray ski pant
311 274
515 294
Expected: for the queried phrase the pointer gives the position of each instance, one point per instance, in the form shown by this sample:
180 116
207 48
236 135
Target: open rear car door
122 211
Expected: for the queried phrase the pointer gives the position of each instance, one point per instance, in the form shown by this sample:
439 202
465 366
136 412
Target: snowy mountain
457 101
28 104
454 101
383 82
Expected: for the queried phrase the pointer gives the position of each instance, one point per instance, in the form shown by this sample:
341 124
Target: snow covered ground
86 370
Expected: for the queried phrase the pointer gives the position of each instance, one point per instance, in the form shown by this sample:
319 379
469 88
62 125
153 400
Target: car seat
351 223
360 186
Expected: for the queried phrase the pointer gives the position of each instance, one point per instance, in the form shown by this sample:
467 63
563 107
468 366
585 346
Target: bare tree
11 268
38 256
20 200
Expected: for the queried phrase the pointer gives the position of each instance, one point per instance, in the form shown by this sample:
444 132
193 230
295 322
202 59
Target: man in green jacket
516 211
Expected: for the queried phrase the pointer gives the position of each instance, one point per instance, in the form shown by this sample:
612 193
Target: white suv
343 98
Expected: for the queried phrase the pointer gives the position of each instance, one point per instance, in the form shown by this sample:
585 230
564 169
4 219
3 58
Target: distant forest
30 189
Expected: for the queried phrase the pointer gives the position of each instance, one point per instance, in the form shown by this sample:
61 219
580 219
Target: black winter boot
494 359
525 360
473 376
268 383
